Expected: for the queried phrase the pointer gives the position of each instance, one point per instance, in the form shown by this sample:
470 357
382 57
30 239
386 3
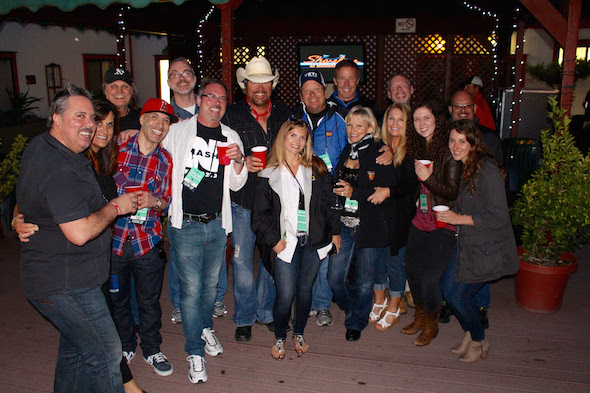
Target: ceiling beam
549 17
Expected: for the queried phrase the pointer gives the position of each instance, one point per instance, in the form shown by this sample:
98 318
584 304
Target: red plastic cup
133 189
436 209
426 163
222 153
260 153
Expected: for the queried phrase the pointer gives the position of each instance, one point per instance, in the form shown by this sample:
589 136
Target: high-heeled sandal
278 350
377 311
301 346
383 324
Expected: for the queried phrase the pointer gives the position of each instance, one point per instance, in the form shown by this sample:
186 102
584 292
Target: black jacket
375 226
403 198
239 118
266 212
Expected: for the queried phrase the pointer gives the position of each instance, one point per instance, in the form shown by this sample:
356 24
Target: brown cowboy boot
430 329
418 322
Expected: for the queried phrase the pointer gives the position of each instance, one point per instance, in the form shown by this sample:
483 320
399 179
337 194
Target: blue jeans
199 255
354 298
174 285
294 282
392 268
148 274
481 298
322 294
460 297
252 301
89 352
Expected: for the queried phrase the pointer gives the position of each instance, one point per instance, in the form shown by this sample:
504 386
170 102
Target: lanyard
301 194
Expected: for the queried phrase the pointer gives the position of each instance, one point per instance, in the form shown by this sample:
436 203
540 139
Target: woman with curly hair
390 275
486 249
429 247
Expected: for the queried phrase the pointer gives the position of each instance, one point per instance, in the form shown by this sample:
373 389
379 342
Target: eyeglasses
176 75
213 97
317 90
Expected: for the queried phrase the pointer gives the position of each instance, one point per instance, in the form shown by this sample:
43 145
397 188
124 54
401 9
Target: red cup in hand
426 163
260 153
436 209
222 153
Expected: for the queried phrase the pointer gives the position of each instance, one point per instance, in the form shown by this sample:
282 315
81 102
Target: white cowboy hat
258 71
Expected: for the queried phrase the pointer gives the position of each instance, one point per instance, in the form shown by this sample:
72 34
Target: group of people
341 209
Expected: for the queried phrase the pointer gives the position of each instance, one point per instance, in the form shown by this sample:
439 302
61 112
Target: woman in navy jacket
295 227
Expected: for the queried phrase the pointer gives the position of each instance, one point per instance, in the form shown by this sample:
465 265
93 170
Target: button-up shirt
152 173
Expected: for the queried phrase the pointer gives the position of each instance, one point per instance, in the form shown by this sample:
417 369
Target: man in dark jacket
347 78
257 120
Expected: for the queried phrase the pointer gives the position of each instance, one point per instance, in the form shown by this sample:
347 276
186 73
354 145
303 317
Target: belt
203 218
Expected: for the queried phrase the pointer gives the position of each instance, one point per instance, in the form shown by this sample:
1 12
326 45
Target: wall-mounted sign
323 57
405 25
31 80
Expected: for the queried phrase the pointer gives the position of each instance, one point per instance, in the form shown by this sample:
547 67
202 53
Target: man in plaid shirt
145 165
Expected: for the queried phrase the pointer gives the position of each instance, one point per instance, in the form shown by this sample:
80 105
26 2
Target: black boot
445 313
483 314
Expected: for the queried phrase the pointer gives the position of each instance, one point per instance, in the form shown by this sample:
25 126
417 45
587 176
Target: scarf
360 145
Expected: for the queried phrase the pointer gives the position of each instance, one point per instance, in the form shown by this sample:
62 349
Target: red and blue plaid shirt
153 173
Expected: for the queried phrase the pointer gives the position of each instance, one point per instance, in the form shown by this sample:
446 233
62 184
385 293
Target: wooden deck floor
529 352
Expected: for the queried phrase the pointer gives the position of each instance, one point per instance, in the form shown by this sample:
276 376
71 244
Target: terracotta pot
540 288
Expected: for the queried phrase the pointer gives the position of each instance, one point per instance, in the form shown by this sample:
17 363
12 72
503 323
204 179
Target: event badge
326 159
301 222
423 203
140 216
351 205
193 178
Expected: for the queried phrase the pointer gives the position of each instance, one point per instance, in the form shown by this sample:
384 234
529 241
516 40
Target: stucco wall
37 46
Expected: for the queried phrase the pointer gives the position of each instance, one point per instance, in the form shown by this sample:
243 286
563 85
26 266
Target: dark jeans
89 347
148 274
461 298
427 257
294 281
481 298
355 298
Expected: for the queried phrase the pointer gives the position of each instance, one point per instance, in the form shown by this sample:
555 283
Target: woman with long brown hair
429 246
486 249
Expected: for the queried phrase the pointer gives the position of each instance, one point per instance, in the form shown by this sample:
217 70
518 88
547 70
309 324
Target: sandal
278 350
383 324
301 346
377 311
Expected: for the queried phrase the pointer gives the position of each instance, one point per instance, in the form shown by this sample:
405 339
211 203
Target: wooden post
227 45
569 54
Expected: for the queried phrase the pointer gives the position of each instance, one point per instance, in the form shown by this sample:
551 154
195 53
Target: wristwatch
158 203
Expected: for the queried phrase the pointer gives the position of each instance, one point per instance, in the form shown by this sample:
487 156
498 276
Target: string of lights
201 39
122 30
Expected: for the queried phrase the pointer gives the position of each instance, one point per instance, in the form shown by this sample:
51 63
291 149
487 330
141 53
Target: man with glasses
208 164
257 120
182 81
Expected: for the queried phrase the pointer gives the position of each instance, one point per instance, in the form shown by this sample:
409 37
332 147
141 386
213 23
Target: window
162 88
8 78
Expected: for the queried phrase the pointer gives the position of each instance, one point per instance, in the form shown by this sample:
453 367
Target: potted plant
552 73
553 209
9 168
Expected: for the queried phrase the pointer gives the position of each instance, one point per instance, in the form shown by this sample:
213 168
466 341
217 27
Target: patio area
529 352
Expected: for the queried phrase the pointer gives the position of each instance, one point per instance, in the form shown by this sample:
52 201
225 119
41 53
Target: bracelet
12 223
116 207
239 162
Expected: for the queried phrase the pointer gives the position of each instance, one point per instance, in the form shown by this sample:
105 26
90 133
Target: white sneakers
160 364
128 355
212 345
196 363
196 369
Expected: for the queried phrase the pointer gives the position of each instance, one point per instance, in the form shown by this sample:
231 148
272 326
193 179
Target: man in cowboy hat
257 120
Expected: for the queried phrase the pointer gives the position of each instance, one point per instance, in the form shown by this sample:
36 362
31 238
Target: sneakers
196 369
176 317
212 345
219 310
324 318
160 364
129 355
313 312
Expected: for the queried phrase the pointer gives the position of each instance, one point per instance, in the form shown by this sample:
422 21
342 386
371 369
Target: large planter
540 288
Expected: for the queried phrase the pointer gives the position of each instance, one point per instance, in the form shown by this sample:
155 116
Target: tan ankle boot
476 350
418 322
430 329
461 348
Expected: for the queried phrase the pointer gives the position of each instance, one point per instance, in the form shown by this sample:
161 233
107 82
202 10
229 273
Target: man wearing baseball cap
119 89
136 245
257 120
474 86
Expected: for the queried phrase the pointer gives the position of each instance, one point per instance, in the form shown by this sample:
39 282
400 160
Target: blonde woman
295 227
390 271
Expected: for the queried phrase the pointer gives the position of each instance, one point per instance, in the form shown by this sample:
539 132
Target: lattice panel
463 66
399 56
430 78
470 46
431 44
241 55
